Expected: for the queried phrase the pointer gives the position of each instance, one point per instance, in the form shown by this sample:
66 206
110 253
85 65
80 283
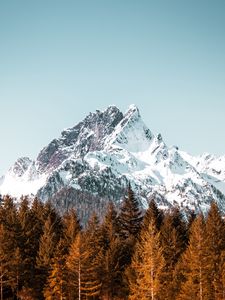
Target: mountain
95 160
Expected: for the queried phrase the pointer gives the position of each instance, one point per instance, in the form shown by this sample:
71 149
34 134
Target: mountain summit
99 156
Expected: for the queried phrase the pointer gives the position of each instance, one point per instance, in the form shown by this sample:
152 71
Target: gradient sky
59 60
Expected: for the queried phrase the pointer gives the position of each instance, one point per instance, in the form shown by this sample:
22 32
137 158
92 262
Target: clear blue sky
59 60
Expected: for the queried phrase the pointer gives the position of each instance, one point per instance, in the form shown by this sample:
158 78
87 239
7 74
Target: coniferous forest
128 254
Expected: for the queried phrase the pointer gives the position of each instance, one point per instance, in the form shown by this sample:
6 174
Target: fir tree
152 214
130 217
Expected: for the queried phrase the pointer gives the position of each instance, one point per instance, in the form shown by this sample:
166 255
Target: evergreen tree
130 217
152 214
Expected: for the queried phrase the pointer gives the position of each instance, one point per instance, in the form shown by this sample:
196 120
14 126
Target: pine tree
152 214
130 217
145 272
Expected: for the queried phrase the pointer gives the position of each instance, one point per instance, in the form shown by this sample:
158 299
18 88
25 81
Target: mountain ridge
107 150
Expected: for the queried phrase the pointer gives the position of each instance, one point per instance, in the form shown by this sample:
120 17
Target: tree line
128 254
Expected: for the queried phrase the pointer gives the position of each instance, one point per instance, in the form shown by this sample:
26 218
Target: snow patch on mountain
106 151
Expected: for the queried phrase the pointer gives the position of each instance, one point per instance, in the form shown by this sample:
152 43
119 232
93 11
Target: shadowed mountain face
100 155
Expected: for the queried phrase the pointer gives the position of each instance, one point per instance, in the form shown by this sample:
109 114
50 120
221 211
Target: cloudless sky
59 60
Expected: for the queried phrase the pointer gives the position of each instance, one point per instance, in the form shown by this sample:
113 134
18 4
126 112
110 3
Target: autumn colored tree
56 286
194 264
10 264
77 267
71 227
111 275
144 274
215 247
47 245
174 241
28 241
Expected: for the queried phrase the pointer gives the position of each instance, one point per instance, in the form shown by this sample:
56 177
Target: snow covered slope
107 150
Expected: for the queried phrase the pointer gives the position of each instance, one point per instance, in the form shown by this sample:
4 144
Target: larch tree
28 241
71 227
215 246
48 242
10 264
109 256
77 267
174 241
144 274
193 264
9 252
56 286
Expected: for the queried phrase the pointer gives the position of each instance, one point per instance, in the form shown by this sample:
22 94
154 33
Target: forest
126 254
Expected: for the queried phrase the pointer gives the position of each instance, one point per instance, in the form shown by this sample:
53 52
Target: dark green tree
130 217
152 214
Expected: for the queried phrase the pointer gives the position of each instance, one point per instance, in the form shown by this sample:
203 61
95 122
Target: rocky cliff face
107 150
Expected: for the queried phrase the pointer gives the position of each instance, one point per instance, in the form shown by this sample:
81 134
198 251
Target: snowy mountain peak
132 110
20 166
131 133
102 153
87 136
